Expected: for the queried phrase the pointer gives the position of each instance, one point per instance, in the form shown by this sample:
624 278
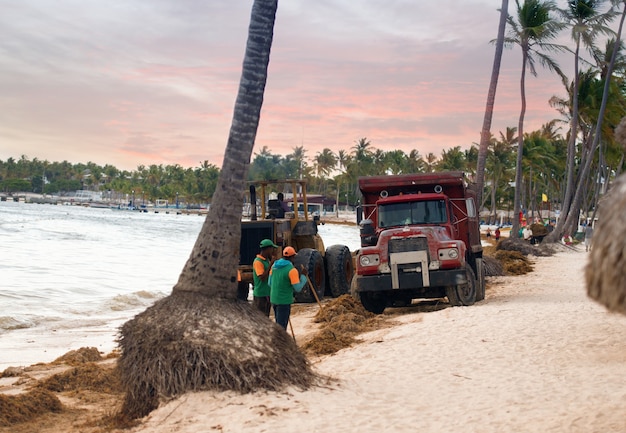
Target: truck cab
419 239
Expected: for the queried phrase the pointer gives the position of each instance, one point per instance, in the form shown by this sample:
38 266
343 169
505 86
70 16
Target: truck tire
339 269
373 302
480 280
313 262
369 301
463 294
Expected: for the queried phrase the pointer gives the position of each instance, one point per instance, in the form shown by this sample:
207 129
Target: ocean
70 276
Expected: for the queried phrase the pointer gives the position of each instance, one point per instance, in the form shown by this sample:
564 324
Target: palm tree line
329 173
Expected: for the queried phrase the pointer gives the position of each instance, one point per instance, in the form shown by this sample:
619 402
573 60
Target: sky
141 82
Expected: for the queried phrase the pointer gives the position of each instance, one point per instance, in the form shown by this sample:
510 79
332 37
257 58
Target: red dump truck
420 238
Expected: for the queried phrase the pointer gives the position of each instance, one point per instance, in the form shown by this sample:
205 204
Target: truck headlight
448 254
369 260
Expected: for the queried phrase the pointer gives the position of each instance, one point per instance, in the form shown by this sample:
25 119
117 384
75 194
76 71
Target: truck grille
408 244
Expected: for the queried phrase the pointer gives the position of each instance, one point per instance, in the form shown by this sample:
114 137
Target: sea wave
9 323
130 301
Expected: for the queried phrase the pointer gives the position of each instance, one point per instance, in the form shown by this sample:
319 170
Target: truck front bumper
412 281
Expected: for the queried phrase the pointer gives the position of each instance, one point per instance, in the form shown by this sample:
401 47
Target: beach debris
15 409
514 262
85 382
544 249
80 356
342 319
12 372
89 376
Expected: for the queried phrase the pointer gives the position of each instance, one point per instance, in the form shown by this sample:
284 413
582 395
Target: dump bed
372 186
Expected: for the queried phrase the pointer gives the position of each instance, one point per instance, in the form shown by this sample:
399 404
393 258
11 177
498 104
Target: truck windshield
417 212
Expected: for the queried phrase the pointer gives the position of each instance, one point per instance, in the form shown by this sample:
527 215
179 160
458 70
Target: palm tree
201 336
267 165
539 157
297 162
363 153
360 163
415 162
533 31
325 162
430 162
343 158
471 161
485 133
452 159
499 164
396 162
586 22
572 219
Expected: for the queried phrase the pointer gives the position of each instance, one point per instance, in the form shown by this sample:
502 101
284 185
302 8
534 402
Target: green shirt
261 288
284 279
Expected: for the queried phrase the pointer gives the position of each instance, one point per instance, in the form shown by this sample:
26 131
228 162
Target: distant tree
397 162
415 162
430 162
266 166
452 159
325 162
499 165
16 185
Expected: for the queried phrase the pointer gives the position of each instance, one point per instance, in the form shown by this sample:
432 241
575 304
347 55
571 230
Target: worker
260 273
284 280
284 207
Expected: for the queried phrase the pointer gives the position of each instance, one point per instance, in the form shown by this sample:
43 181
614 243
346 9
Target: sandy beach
536 356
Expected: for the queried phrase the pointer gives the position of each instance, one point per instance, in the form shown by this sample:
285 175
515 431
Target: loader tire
313 262
339 269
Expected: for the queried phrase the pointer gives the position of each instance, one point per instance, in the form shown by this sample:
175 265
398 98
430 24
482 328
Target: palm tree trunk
485 134
494 209
212 266
571 152
200 336
520 150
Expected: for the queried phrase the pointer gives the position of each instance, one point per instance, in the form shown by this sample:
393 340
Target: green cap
266 243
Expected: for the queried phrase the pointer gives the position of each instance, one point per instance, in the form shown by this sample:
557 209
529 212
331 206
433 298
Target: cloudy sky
154 81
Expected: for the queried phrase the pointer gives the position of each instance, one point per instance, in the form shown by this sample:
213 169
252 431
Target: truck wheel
463 294
313 262
339 269
480 280
373 302
370 301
